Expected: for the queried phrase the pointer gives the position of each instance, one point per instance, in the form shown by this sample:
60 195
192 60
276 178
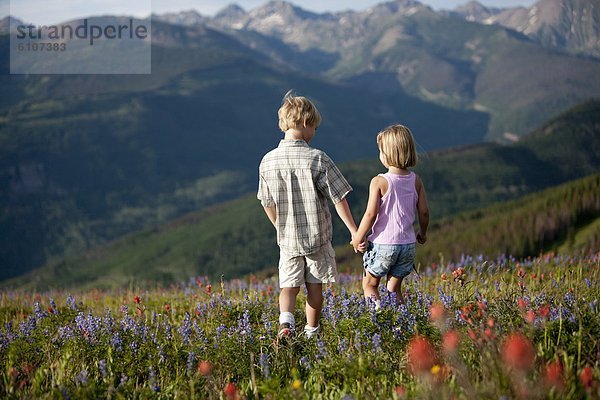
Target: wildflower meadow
474 329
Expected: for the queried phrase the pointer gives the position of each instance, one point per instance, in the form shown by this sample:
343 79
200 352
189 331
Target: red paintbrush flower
518 352
421 356
530 316
230 391
436 312
400 392
554 375
450 341
587 377
204 368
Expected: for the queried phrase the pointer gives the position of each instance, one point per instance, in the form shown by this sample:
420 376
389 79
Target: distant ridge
572 25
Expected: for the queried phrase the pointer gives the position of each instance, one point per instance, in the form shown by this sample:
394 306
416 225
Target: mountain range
86 159
437 56
571 25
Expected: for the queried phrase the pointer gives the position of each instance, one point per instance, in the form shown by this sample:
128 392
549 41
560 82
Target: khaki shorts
318 267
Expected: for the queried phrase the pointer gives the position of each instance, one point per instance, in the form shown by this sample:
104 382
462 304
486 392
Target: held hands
359 243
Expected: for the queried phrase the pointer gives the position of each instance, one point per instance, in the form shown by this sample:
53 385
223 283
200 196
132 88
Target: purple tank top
397 209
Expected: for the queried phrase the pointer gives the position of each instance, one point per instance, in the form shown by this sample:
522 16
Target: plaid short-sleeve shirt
298 180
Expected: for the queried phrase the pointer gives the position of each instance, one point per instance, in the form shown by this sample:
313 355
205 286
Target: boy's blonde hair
295 111
398 146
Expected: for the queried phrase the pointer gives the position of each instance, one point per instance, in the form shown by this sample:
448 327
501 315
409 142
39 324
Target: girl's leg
314 303
394 285
370 286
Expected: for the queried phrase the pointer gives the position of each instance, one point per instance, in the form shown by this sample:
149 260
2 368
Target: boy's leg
370 285
287 299
314 303
291 278
394 285
287 304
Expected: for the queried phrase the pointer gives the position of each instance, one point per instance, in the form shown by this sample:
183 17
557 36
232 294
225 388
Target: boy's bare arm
343 210
271 213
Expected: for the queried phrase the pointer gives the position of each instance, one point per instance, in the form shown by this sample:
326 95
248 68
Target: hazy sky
54 11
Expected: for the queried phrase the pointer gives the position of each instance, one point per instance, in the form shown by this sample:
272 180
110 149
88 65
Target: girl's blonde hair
397 145
295 111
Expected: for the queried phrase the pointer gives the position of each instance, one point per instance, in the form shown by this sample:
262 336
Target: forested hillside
236 238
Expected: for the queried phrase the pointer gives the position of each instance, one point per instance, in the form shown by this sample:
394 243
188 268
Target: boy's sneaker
310 331
285 331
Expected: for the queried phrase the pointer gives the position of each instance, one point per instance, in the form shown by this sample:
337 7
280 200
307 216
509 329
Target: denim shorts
397 260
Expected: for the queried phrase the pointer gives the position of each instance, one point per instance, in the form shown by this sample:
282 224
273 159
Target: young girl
394 200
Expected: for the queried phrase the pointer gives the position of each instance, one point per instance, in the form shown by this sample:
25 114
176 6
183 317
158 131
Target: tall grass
477 328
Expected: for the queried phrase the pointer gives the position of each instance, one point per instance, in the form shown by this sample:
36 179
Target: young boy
295 183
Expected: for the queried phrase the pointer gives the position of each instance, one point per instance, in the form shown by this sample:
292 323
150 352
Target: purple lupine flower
88 326
267 322
218 333
594 305
81 379
200 335
342 346
540 300
588 283
28 326
134 346
191 362
108 321
322 349
168 330
446 299
38 312
102 368
162 357
346 305
305 362
128 323
263 361
152 379
244 327
398 334
53 306
389 299
65 333
116 342
4 342
459 318
123 380
185 330
376 339
405 320
569 299
71 302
